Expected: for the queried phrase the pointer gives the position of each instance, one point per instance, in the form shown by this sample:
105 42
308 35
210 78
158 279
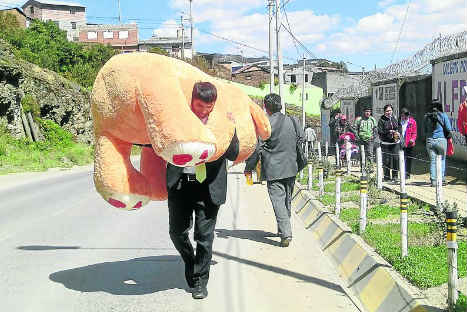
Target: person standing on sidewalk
408 131
437 130
366 129
390 139
188 193
278 163
310 136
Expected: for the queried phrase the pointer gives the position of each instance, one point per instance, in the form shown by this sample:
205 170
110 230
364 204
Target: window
73 25
293 78
123 34
248 77
72 11
108 34
75 38
57 23
32 10
92 35
306 96
306 77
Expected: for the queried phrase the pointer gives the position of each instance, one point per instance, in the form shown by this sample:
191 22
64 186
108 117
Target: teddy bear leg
154 169
118 182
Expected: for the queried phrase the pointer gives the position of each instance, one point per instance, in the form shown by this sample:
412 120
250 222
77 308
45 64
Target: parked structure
122 37
255 75
22 19
330 82
172 45
68 16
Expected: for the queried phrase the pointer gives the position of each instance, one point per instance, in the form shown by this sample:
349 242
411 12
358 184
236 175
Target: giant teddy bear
144 98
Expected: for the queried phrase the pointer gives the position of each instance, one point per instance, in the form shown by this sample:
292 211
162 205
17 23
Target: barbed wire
439 47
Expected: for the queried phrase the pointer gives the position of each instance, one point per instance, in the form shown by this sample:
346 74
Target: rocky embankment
59 99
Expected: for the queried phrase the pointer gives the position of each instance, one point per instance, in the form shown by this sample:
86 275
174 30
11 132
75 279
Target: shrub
31 105
55 135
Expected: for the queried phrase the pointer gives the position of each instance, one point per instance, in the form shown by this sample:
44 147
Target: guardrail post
338 160
319 151
451 241
321 179
439 184
347 156
404 224
307 150
363 159
379 168
326 151
310 176
363 202
338 192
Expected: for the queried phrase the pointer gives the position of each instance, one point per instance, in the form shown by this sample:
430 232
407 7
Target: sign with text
383 95
348 109
449 79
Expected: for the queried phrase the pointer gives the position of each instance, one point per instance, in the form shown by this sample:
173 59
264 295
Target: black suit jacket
216 173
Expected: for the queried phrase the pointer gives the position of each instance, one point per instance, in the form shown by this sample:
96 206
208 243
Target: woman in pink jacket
408 131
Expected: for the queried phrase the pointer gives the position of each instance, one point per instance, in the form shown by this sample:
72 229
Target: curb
370 279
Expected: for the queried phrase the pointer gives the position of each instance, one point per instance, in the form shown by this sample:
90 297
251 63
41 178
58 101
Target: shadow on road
132 277
254 235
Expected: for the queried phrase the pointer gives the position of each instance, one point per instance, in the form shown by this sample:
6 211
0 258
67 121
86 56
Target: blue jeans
436 147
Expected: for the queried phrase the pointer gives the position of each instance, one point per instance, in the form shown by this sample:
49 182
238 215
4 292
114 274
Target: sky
362 33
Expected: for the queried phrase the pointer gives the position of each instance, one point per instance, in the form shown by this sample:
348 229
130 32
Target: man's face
367 113
202 109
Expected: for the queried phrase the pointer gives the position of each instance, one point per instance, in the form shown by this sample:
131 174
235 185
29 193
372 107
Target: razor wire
416 64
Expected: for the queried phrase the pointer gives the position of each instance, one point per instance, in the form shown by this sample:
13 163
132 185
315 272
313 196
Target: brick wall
132 39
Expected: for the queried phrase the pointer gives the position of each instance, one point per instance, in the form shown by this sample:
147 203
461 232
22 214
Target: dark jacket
386 124
278 153
216 173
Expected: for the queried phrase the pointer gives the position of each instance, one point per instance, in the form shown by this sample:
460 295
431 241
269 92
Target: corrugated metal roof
74 4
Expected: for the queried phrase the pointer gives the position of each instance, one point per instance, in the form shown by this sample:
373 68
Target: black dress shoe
199 292
285 241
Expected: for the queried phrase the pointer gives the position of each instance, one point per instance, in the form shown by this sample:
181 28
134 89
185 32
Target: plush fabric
145 98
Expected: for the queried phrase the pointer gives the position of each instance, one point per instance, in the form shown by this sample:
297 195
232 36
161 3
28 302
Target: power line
400 32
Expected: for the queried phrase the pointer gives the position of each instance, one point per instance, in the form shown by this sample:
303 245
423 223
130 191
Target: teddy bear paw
126 201
188 153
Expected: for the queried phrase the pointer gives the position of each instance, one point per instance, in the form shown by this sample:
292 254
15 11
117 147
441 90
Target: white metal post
363 202
403 206
271 56
338 160
307 150
451 241
338 192
321 180
379 168
363 160
319 151
279 53
310 176
303 94
348 156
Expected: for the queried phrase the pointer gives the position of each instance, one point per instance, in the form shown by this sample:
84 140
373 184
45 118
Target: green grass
426 266
376 212
461 304
57 151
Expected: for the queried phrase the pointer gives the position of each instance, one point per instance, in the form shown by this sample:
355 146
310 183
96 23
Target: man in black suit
279 163
187 195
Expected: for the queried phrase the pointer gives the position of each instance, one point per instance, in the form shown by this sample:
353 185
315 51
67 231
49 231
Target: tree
158 50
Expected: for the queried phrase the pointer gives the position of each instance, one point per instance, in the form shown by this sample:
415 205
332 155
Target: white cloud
168 29
11 3
386 3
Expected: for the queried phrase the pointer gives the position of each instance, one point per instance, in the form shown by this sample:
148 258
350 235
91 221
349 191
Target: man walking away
279 163
310 136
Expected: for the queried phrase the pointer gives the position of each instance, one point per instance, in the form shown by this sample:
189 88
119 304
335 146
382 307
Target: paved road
62 248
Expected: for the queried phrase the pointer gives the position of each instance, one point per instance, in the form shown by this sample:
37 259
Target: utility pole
271 56
279 53
191 33
183 39
303 93
119 13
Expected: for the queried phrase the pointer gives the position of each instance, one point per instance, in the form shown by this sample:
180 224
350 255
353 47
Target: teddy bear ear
261 121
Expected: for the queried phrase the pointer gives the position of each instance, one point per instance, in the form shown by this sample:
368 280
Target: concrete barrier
369 278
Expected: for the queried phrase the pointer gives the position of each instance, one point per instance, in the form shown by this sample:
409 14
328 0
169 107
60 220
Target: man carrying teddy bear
188 193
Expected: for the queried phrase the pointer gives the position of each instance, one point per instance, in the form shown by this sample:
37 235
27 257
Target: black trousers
390 160
184 199
408 154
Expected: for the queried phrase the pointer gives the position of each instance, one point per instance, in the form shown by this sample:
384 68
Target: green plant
158 50
262 85
292 88
55 135
31 105
461 304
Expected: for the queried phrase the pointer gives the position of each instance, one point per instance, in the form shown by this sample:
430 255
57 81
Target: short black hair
204 91
386 106
405 111
272 102
436 105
